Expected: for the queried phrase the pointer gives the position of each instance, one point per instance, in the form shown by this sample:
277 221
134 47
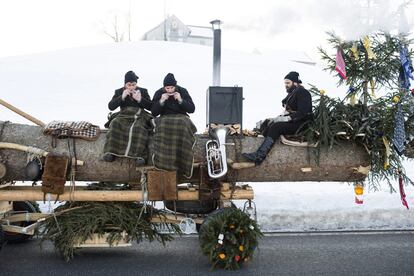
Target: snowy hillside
76 84
69 84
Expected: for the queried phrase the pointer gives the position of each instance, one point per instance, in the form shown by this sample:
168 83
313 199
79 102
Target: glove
280 119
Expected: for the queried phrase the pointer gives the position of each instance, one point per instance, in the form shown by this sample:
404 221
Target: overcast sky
44 25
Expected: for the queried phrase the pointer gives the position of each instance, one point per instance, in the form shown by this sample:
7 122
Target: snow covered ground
310 206
76 84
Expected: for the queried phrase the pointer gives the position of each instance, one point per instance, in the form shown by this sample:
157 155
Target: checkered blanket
173 144
128 133
83 130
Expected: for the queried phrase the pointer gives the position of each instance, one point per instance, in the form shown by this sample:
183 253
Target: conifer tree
372 63
367 65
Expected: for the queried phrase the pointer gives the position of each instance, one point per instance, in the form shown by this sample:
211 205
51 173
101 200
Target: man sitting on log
174 131
129 128
298 109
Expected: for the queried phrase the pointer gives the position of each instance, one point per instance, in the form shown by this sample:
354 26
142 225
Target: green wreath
229 238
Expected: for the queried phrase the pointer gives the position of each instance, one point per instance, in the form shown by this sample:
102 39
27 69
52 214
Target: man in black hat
129 128
298 110
174 131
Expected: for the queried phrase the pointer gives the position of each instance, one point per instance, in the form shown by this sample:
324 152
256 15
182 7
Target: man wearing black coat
174 138
129 128
298 109
172 99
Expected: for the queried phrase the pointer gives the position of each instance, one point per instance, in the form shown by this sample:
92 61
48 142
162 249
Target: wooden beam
27 149
35 194
22 113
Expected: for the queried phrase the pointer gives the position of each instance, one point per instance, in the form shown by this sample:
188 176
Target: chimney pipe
216 51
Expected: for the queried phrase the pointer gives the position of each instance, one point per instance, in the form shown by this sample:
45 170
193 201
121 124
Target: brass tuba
216 153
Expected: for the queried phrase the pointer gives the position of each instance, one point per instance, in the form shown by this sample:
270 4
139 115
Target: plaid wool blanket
83 130
173 144
128 133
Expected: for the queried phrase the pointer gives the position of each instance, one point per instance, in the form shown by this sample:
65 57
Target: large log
284 163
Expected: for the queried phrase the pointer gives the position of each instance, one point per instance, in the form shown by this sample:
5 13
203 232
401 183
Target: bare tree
120 24
128 21
115 32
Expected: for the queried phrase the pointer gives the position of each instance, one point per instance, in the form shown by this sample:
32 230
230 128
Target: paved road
282 254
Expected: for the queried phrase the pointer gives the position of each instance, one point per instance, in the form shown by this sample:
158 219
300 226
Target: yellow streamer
387 153
372 83
353 100
396 99
367 45
354 50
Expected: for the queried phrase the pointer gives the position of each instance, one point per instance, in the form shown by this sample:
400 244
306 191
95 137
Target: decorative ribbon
372 83
367 45
354 50
399 136
352 99
340 64
406 70
387 152
402 193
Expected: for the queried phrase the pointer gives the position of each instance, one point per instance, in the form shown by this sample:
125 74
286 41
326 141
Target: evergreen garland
228 237
74 223
336 121
383 70
371 120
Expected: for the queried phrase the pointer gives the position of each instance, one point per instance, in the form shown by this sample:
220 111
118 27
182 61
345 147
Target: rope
72 179
73 168
49 204
35 151
144 190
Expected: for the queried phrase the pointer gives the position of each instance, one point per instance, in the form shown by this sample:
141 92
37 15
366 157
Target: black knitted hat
130 77
293 76
169 80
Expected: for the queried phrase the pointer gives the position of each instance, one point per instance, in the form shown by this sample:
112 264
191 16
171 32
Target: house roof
171 17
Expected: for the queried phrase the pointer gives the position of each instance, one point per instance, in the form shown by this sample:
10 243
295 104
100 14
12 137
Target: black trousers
274 130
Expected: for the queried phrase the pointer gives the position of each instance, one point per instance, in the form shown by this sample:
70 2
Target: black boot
260 155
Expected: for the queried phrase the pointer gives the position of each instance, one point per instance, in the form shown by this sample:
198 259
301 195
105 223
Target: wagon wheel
192 206
21 206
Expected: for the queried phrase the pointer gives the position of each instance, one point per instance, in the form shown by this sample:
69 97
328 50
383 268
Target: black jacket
171 105
299 104
129 101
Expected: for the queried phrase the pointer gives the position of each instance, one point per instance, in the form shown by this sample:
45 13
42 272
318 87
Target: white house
172 29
